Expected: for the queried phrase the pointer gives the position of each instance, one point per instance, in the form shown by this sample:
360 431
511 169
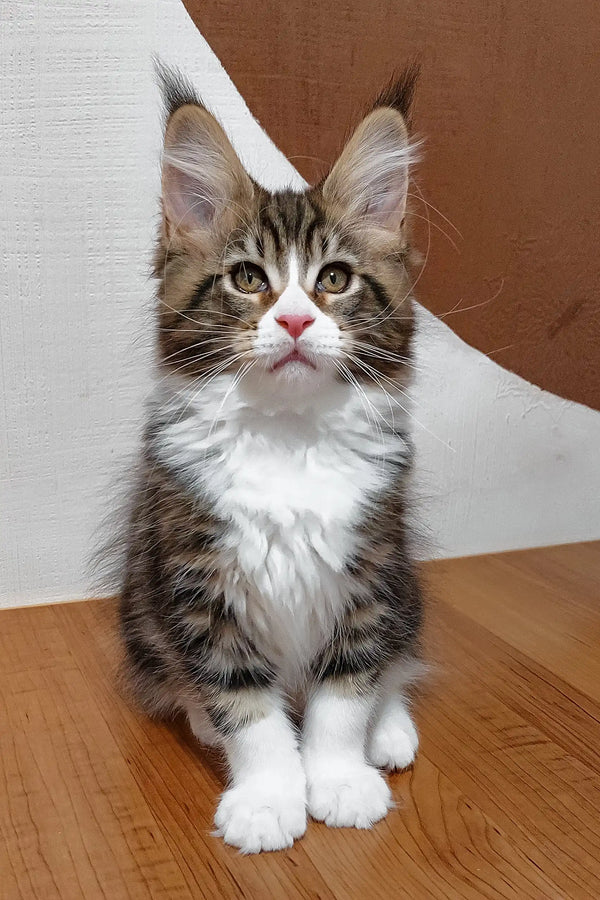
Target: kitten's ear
203 181
370 179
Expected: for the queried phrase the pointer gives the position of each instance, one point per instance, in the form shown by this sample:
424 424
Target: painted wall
502 464
507 102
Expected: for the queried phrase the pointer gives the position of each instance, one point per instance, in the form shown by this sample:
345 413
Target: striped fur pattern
268 580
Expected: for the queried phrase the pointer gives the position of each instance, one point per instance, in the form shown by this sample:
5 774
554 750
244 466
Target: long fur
267 555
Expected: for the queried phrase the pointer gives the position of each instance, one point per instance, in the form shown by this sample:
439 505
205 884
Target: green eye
250 279
333 279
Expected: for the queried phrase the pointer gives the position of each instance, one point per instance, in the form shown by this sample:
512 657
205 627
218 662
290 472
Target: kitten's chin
294 360
292 385
298 371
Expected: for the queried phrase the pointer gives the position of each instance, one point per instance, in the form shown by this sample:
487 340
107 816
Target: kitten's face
301 288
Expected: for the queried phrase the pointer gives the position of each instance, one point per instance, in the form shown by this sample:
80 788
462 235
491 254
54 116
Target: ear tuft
176 90
399 93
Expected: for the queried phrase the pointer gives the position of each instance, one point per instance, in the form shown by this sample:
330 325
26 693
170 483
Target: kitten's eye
250 279
333 279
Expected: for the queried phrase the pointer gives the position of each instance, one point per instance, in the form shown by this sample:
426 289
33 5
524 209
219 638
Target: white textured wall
521 467
510 465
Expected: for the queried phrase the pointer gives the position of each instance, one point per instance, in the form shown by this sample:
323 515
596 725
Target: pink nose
295 325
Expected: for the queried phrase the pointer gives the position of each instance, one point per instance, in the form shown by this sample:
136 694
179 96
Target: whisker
397 386
208 327
212 312
243 370
376 376
383 354
361 392
209 377
198 356
458 309
414 215
434 208
498 350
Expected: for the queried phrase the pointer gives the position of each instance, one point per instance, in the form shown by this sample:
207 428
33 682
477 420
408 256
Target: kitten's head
302 289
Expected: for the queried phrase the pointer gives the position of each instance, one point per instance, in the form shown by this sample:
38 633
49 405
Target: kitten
267 565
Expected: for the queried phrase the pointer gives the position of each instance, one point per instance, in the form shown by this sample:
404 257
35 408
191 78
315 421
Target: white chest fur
290 488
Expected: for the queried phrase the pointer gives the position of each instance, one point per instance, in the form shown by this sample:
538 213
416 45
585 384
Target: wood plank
82 826
554 622
97 801
544 799
565 715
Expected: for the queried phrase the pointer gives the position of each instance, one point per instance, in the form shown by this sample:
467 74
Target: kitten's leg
264 807
394 740
202 728
343 789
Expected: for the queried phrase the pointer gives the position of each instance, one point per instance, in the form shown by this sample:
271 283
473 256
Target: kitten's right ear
369 182
203 181
370 179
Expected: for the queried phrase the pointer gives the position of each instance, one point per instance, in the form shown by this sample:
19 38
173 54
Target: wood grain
98 802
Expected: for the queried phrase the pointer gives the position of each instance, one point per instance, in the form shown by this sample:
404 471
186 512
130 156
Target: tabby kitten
268 580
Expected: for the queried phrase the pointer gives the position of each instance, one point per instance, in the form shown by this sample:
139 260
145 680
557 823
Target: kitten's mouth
294 356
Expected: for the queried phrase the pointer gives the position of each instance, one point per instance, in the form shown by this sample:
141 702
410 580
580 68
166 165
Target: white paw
262 813
343 794
394 743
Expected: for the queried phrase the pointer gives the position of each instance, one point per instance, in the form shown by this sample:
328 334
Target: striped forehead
294 239
291 238
290 219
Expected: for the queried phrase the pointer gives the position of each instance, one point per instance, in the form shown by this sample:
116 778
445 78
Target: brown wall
509 105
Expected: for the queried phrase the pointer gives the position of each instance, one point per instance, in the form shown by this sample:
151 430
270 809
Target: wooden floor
504 800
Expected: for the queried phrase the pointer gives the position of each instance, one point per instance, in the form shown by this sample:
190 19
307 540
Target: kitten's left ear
204 184
370 179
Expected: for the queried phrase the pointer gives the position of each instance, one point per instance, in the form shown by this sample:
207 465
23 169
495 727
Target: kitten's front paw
342 794
394 743
262 814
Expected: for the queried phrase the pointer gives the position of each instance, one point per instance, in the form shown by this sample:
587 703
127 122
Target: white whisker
377 377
